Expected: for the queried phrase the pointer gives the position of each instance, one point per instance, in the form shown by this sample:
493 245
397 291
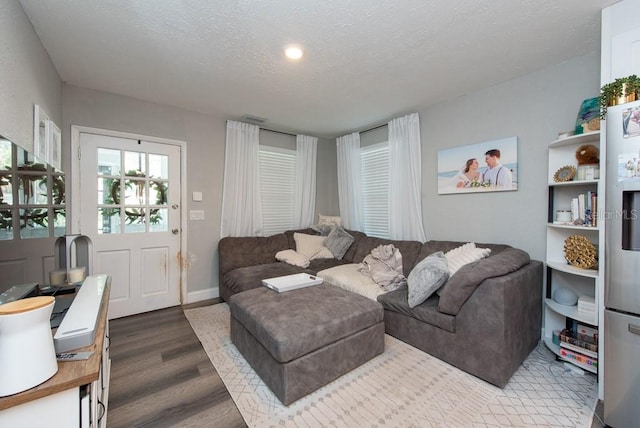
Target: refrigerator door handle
635 329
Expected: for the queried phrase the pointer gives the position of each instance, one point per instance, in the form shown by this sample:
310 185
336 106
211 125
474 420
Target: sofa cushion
249 277
338 242
462 285
312 246
426 277
238 252
347 277
397 301
408 249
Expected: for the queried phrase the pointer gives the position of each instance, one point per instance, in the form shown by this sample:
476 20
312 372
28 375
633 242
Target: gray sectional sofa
485 321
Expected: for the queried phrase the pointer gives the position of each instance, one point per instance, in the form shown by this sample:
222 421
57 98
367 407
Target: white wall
205 137
28 77
534 108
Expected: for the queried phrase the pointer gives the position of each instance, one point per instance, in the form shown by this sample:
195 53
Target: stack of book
580 346
584 209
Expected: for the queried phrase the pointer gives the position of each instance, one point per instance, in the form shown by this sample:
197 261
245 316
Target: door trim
73 214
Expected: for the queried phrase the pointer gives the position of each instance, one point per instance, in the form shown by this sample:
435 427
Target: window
277 188
32 196
375 189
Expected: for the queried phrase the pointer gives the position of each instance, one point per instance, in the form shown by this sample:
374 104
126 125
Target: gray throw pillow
338 242
426 278
322 229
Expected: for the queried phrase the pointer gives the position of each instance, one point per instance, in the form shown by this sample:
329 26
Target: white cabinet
76 396
560 273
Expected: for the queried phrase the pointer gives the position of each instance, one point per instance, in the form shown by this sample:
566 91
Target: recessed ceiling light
293 52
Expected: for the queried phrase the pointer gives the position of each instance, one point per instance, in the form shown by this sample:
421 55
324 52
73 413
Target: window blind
375 189
277 188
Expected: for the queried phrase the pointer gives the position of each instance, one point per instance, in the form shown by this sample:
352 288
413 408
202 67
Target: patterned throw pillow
464 254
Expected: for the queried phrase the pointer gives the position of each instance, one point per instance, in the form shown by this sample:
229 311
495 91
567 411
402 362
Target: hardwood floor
162 377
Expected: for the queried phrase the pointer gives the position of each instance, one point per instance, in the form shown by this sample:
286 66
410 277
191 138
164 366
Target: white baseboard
200 295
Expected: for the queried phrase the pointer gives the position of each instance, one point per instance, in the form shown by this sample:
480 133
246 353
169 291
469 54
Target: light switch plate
196 215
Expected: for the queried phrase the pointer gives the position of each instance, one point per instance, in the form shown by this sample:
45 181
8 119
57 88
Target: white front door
129 208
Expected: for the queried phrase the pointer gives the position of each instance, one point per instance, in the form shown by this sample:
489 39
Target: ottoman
303 339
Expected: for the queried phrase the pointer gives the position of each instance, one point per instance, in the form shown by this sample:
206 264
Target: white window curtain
241 202
405 179
349 192
305 193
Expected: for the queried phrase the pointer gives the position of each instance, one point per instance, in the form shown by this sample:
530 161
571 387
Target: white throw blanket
384 266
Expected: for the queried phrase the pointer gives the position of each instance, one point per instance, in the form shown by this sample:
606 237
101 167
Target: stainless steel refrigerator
622 282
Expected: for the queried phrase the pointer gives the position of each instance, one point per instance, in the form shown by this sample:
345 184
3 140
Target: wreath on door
137 216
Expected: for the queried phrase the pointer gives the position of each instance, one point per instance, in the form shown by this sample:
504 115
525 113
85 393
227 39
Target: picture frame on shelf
40 134
55 146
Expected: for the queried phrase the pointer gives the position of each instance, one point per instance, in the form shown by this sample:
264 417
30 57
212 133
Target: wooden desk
71 375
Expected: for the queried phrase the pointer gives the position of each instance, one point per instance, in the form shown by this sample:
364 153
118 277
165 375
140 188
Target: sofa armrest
236 252
502 321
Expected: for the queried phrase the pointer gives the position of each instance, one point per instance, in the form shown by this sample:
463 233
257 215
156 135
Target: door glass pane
136 222
59 216
159 166
57 190
135 192
6 228
108 162
108 220
33 189
109 191
34 223
6 189
135 164
158 219
158 192
5 154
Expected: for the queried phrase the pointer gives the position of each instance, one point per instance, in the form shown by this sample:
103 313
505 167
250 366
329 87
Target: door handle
635 329
174 206
175 231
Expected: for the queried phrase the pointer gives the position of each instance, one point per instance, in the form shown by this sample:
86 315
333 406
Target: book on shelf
581 359
584 209
582 342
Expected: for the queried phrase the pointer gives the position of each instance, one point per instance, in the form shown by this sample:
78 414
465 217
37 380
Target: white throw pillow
312 246
292 258
464 254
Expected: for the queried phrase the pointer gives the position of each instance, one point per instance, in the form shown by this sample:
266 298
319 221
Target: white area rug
404 387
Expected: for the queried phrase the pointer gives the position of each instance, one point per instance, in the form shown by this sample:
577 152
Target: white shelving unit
560 273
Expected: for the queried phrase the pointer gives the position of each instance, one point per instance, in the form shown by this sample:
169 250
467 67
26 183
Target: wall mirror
32 195
32 215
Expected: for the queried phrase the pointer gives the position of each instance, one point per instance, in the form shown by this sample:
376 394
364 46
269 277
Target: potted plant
620 91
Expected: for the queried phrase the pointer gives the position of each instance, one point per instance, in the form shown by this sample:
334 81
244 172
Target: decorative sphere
566 297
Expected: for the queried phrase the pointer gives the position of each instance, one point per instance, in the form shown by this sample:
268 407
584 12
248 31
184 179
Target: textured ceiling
366 61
